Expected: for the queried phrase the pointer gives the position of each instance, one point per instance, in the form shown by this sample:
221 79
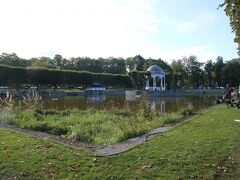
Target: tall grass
99 127
103 127
7 102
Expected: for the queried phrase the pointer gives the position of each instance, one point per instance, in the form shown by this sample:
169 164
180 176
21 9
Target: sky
116 28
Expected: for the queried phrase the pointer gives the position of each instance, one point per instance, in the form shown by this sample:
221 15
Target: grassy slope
204 147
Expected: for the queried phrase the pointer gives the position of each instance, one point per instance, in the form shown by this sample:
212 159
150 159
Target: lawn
205 147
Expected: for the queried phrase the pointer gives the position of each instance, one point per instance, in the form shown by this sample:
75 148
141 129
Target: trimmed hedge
42 76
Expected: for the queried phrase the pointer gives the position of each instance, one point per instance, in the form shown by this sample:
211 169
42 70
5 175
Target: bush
187 112
44 127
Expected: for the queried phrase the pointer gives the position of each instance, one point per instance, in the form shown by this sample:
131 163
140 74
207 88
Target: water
131 100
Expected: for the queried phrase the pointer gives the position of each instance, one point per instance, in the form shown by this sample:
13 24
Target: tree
13 60
45 62
179 74
232 10
218 72
60 62
159 62
135 63
114 66
193 70
231 73
209 72
139 78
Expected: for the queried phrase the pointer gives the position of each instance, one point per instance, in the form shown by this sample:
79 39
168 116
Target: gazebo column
164 83
161 83
147 84
154 83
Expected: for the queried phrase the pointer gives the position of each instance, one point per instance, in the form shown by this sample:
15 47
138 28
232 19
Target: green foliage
189 72
187 112
179 73
108 65
13 60
159 62
209 67
43 62
138 78
135 63
185 72
144 110
232 10
41 76
231 72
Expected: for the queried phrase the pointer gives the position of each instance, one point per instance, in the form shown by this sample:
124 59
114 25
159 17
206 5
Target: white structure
156 81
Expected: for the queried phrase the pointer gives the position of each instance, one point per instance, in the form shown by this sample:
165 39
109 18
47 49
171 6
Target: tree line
190 72
185 72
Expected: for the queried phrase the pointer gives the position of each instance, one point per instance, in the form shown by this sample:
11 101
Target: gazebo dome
155 70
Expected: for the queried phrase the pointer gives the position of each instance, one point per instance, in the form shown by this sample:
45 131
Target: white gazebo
156 80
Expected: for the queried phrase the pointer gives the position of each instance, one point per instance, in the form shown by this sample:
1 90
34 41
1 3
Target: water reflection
130 100
96 98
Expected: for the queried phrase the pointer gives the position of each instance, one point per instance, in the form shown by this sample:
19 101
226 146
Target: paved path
130 143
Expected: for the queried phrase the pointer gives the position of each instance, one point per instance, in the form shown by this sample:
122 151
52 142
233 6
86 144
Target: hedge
15 76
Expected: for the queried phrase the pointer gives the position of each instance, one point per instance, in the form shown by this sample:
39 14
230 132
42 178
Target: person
227 94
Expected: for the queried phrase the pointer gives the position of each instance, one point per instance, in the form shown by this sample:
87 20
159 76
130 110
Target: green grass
73 90
205 147
98 127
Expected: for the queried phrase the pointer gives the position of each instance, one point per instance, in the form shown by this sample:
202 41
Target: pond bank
98 149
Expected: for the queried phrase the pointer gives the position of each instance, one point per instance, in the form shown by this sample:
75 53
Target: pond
159 104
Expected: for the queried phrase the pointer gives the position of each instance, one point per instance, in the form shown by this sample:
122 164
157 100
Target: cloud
185 26
203 52
200 20
119 28
75 28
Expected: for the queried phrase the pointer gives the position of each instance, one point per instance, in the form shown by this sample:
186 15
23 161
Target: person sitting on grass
227 95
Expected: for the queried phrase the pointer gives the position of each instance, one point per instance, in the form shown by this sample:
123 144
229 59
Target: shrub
187 112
